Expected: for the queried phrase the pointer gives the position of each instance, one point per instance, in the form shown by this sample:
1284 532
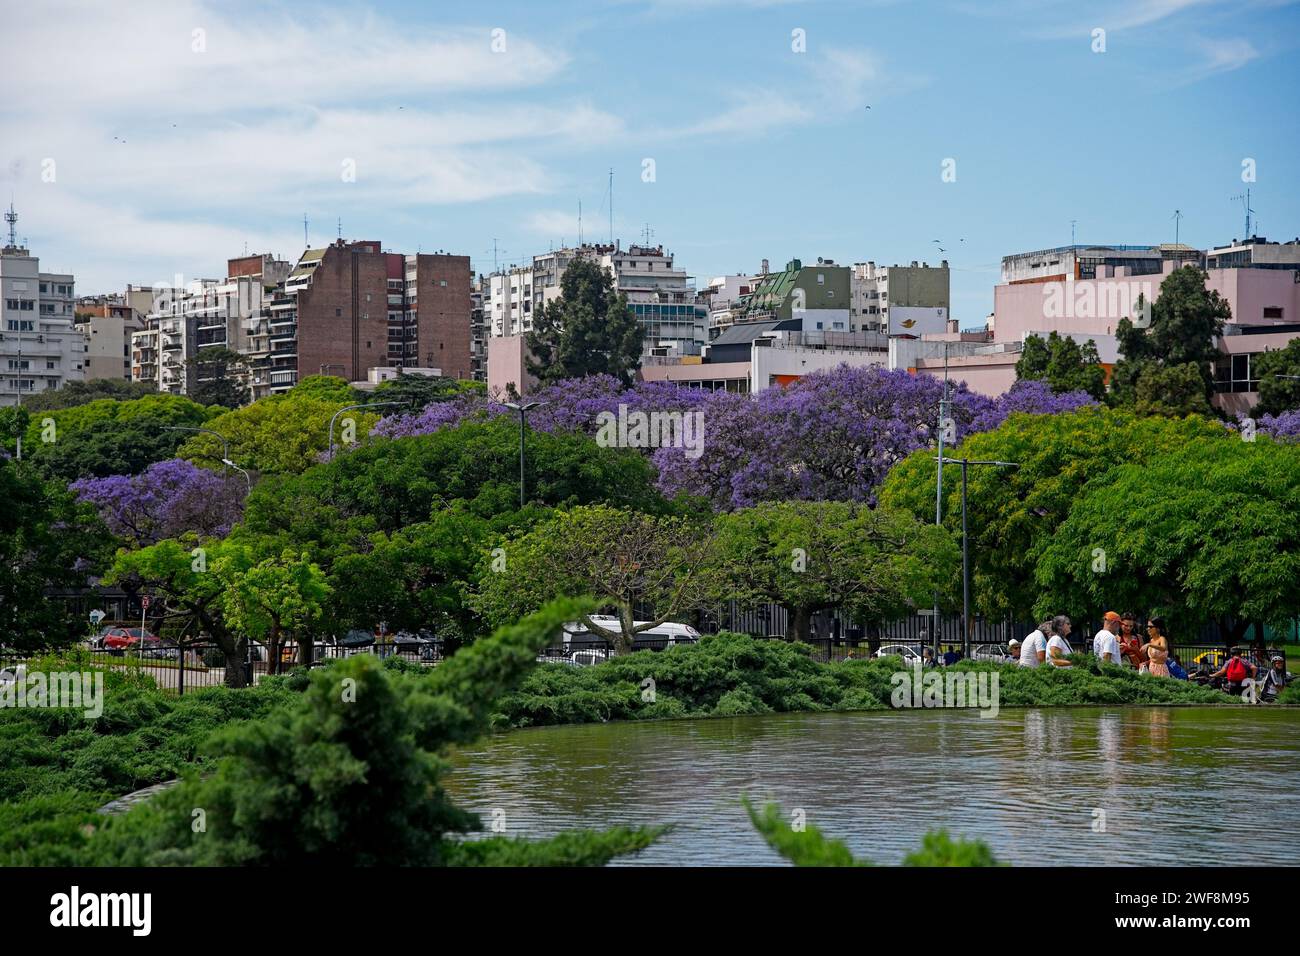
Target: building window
821 278
1272 312
1234 373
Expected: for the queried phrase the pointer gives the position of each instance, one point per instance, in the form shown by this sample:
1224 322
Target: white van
669 631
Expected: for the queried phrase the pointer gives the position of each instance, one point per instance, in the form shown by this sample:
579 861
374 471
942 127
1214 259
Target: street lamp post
965 548
522 408
347 408
225 442
247 478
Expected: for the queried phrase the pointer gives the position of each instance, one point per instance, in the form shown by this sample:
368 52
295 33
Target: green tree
1209 532
1013 512
109 437
1276 393
626 559
329 388
1186 318
810 556
588 330
420 391
1063 364
81 393
1172 390
218 372
278 596
47 541
351 774
281 434
183 575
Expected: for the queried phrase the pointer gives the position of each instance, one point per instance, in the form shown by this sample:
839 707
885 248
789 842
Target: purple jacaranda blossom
1284 427
167 499
1033 397
831 435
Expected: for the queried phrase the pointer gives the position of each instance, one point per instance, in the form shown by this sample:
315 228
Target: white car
669 631
907 653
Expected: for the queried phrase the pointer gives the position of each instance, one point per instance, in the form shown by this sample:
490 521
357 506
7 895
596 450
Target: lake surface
1190 786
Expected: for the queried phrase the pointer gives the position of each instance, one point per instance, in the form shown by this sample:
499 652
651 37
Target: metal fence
194 666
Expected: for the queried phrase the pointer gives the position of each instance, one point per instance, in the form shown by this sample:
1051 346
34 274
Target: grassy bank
732 674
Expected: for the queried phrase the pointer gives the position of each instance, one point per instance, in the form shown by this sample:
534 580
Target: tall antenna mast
340 227
1073 223
1245 201
11 217
579 222
1178 217
305 243
611 205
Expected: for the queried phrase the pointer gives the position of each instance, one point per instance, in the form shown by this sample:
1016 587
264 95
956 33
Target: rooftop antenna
1244 198
1178 216
646 235
340 227
11 217
579 222
305 243
611 205
1073 223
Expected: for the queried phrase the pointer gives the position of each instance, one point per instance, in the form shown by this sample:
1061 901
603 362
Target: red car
118 638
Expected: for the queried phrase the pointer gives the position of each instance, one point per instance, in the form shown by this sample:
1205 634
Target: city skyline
815 130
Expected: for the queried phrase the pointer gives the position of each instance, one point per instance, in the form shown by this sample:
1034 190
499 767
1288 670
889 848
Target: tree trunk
273 649
306 647
800 624
626 634
234 651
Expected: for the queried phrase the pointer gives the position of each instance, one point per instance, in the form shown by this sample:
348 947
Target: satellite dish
97 616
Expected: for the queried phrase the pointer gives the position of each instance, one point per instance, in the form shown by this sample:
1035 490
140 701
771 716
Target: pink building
1260 282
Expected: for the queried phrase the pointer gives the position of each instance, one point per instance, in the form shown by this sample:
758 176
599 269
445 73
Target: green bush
727 675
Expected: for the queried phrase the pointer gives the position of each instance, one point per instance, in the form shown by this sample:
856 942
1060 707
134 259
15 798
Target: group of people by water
1119 643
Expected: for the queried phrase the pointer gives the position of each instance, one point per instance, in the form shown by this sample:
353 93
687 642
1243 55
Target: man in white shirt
1105 645
1058 648
1033 649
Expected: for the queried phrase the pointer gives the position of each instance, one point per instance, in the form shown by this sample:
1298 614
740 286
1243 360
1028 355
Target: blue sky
137 149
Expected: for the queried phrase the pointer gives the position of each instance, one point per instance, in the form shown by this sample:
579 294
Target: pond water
1191 786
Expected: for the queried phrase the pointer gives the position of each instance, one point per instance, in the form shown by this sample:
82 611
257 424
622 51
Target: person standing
1058 648
1033 650
1129 641
1157 648
1105 645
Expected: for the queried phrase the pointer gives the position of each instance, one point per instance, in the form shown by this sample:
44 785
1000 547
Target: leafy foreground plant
349 775
809 847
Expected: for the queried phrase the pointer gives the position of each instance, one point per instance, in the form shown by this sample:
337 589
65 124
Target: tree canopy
588 330
1278 394
1063 364
1014 512
1205 532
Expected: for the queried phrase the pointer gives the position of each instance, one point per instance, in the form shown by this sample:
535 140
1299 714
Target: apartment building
107 323
40 346
351 307
876 290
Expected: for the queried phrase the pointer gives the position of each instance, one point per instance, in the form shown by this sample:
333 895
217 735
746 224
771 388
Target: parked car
667 633
909 654
118 638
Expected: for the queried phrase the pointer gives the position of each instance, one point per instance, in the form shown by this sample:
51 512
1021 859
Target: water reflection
1029 782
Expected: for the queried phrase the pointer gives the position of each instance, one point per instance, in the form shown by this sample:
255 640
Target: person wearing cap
1105 645
1013 650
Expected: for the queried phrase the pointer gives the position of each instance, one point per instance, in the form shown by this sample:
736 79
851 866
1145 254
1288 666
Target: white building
40 347
875 289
